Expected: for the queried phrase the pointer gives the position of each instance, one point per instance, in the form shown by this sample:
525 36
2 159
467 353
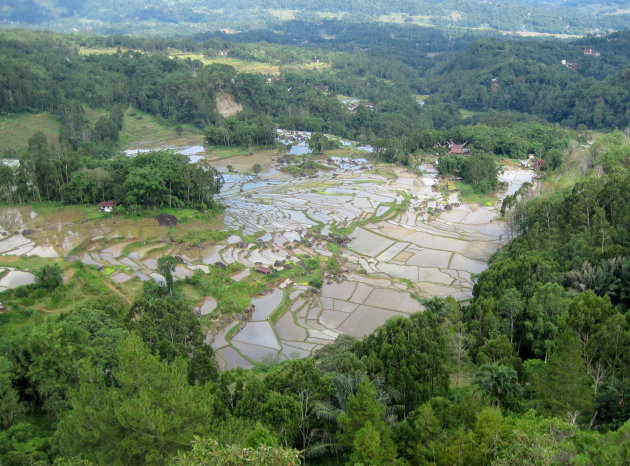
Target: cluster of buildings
352 105
590 52
532 162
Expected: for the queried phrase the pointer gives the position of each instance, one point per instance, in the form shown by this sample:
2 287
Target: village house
459 149
107 206
591 52
569 64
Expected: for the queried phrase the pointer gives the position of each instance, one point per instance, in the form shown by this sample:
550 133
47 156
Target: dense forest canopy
531 15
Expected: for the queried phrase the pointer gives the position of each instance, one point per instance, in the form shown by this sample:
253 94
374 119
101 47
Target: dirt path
117 291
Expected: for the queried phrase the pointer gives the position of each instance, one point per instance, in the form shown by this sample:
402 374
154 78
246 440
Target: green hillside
551 17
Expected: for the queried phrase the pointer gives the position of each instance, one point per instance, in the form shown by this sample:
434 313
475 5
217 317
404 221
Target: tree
480 170
410 354
362 426
490 430
499 384
145 186
49 277
165 267
417 435
10 406
498 351
545 312
148 414
510 307
99 177
586 316
565 389
369 448
54 349
257 168
317 143
305 382
282 413
171 330
209 452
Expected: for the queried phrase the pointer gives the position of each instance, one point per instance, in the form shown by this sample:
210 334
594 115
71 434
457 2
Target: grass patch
325 193
184 215
30 262
15 321
231 296
198 237
394 210
385 172
275 315
468 195
142 130
233 331
345 230
304 167
92 114
242 66
369 182
133 245
104 50
27 304
468 113
251 238
16 130
157 249
223 152
86 212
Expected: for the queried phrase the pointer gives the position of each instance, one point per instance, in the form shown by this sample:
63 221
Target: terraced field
394 234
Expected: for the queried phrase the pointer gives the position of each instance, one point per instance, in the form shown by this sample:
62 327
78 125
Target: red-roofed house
107 206
592 52
457 148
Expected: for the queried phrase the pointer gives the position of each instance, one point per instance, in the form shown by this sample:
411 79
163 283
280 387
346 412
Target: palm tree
497 383
328 411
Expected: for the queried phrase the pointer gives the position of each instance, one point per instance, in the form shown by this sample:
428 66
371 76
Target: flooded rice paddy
433 247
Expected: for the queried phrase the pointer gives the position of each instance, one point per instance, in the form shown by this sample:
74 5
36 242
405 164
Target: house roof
456 148
107 204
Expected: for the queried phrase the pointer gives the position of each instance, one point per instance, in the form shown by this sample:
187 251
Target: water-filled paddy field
407 239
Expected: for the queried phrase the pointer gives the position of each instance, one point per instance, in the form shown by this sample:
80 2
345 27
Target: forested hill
582 82
560 16
46 72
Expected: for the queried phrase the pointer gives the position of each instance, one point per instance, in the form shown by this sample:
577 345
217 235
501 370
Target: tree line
57 172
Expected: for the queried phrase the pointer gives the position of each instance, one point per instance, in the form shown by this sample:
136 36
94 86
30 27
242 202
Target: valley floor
395 234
